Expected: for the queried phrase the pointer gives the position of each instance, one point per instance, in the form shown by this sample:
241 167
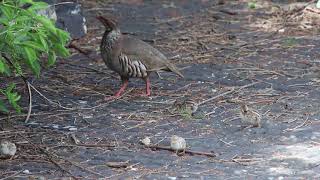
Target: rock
50 12
70 18
7 149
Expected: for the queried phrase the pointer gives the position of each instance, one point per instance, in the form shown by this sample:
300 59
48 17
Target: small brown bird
131 57
249 116
185 105
178 144
7 149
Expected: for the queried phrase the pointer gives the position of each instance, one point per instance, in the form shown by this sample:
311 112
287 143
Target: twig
89 68
118 164
95 145
27 84
228 12
99 9
266 71
227 143
11 176
301 8
30 102
83 168
226 93
140 124
72 45
48 155
78 143
66 160
299 126
49 100
186 151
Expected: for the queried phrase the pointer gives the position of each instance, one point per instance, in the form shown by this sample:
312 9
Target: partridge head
131 57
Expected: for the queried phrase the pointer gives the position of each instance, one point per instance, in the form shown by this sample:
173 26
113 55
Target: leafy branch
27 40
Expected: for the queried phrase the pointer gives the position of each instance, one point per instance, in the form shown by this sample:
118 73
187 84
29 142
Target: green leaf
4 68
63 35
61 50
51 58
318 4
32 60
22 18
38 5
4 21
20 37
47 23
25 37
25 2
13 97
252 5
7 11
43 42
3 107
33 45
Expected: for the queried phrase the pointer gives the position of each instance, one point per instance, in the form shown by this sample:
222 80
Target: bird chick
7 149
178 144
185 106
249 116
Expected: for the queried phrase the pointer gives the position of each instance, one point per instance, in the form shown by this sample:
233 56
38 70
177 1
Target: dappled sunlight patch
280 170
307 153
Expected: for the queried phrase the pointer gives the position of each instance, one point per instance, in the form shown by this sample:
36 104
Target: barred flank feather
132 68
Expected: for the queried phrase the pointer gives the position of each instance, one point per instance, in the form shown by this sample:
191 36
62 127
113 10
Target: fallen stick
186 151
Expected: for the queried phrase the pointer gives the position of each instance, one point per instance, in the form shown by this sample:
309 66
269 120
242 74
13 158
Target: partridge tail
174 69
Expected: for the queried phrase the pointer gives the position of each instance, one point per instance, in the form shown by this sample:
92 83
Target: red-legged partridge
131 57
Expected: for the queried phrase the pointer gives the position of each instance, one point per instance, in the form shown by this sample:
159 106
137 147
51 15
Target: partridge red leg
148 90
121 90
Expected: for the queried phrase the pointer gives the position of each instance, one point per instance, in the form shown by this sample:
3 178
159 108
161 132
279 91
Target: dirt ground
265 55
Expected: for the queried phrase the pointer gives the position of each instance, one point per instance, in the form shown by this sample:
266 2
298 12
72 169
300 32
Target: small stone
73 129
83 102
7 149
55 126
172 178
146 141
26 171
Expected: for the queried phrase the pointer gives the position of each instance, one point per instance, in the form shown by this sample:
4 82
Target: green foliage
12 96
318 4
25 39
252 4
289 42
186 113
